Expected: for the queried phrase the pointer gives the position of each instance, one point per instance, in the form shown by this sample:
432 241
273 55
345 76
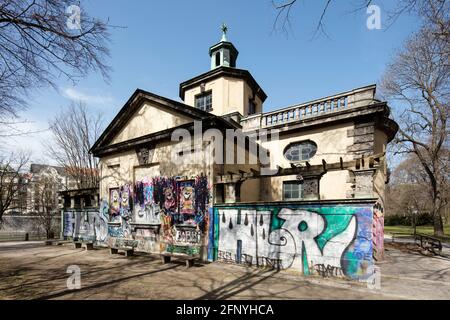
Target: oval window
300 151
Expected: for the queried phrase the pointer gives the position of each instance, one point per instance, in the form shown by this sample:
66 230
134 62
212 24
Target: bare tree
46 189
41 40
409 193
417 81
283 9
11 179
74 131
432 11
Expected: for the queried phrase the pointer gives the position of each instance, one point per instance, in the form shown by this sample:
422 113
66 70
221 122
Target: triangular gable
146 113
149 118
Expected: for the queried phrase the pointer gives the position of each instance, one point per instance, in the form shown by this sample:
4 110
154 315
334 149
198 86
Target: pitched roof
36 168
132 105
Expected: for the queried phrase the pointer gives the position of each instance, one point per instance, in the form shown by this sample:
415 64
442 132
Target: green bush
423 219
396 220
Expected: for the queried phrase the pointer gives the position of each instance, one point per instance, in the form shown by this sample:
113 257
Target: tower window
204 101
251 107
218 59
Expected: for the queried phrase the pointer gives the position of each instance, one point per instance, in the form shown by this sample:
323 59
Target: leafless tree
74 131
45 195
40 41
284 8
417 82
432 12
11 179
409 193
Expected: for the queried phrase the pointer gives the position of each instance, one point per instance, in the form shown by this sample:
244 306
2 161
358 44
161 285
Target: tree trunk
437 219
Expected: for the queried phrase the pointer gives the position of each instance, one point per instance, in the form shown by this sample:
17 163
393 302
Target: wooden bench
431 244
129 251
166 258
86 244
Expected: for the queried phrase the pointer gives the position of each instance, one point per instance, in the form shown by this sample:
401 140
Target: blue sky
166 42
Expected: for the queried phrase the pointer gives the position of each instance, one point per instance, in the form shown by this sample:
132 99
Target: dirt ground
31 270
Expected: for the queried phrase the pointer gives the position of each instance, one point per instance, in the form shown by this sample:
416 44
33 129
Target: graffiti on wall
68 224
186 197
378 231
323 240
86 225
161 214
114 201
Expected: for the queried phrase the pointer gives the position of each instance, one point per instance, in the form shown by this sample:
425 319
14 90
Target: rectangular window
204 101
292 190
251 107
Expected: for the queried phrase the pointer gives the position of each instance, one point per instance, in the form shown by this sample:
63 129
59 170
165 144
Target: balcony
326 106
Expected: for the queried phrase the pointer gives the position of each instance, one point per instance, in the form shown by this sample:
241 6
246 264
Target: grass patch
427 230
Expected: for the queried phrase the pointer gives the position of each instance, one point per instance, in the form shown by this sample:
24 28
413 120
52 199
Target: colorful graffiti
68 224
187 197
87 225
378 231
323 240
161 214
114 201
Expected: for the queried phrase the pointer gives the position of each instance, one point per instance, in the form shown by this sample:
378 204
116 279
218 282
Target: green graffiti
191 251
303 226
305 260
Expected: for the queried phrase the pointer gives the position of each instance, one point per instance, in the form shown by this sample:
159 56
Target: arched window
218 59
300 151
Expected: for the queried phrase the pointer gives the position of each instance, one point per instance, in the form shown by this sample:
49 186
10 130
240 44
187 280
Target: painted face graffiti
114 201
186 199
169 199
124 199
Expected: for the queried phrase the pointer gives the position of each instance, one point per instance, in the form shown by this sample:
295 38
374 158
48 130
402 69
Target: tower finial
224 29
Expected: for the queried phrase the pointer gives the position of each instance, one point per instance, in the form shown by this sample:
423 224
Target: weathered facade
316 204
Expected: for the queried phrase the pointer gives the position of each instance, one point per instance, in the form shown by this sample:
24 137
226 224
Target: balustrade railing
337 103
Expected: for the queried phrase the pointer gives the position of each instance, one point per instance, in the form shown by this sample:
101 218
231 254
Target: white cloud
76 95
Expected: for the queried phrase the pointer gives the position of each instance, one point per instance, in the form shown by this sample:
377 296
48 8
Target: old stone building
309 194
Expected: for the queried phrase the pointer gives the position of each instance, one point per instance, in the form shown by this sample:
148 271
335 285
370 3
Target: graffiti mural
161 214
86 225
378 232
323 240
68 224
187 197
114 201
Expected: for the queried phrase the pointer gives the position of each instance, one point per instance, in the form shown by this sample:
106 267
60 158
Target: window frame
204 95
299 143
291 183
251 103
217 57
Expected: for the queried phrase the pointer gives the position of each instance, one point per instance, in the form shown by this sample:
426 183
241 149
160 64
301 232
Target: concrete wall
324 239
124 168
332 142
28 224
